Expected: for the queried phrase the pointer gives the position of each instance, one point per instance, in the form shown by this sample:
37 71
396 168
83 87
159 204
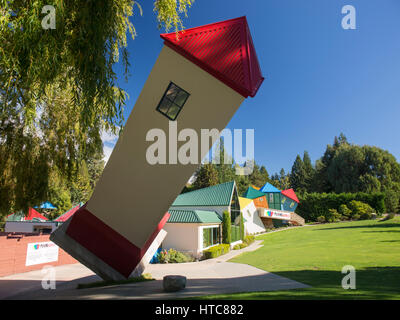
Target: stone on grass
174 283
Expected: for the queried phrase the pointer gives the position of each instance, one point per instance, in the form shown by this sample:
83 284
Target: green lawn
315 255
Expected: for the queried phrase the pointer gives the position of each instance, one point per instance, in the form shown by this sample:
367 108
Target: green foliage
58 194
264 177
173 256
355 210
309 172
281 180
206 176
392 200
298 175
346 168
333 215
95 166
216 251
344 210
249 239
226 227
313 205
80 186
241 226
59 91
84 47
168 12
302 176
2 223
361 209
225 167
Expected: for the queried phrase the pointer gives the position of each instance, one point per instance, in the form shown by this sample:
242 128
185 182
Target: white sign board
278 215
41 252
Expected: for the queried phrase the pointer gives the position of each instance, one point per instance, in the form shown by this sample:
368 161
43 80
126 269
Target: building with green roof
196 217
252 193
193 216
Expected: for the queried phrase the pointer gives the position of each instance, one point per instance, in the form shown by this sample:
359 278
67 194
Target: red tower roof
290 194
65 216
224 49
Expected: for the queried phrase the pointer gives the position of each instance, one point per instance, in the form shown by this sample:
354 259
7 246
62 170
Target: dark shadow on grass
154 289
371 283
392 231
380 283
372 226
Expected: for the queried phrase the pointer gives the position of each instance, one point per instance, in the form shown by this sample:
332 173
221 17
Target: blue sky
320 79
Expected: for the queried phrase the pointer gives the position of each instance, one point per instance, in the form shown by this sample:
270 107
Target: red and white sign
41 252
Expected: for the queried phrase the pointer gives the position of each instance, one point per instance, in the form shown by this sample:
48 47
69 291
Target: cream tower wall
132 196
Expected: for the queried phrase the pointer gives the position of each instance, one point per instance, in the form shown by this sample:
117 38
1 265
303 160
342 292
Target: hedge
226 227
314 205
242 235
216 251
249 239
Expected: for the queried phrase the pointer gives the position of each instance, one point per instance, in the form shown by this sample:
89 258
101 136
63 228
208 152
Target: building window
172 101
210 236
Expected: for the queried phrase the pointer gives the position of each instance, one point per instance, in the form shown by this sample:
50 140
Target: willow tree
58 88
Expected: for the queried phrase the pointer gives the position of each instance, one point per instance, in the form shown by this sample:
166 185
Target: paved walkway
213 276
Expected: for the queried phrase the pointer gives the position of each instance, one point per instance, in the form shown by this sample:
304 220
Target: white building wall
27 226
185 237
253 222
182 236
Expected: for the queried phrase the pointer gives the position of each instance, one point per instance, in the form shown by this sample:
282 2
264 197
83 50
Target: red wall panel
13 249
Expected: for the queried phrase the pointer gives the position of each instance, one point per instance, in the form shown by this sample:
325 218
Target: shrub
226 227
313 205
240 246
344 211
333 215
355 217
392 199
249 239
362 209
242 234
216 251
174 256
321 219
